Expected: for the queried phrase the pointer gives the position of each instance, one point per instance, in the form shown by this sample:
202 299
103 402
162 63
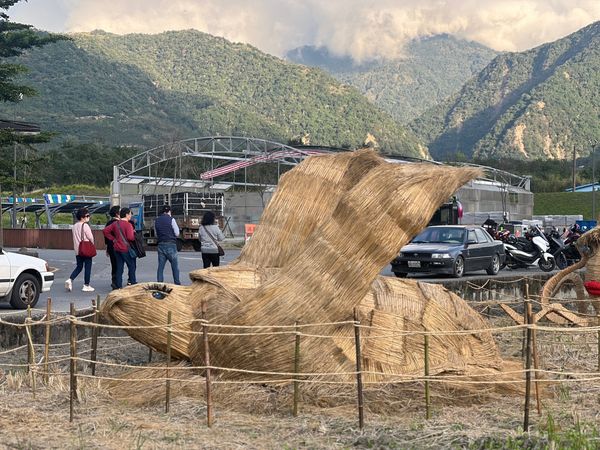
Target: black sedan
450 249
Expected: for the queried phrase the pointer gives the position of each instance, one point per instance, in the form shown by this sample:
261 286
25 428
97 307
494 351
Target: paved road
64 261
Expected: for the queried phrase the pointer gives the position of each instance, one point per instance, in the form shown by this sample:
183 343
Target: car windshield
440 236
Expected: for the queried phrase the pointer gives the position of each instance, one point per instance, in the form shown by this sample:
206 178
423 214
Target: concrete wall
480 198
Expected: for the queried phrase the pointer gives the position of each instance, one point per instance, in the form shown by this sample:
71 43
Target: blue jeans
167 251
81 261
122 259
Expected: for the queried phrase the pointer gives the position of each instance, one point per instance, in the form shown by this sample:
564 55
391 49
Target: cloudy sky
360 28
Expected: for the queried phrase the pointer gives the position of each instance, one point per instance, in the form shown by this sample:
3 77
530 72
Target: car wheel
459 267
494 266
401 274
197 245
25 292
179 244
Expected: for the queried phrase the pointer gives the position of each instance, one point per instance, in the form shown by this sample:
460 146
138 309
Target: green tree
16 38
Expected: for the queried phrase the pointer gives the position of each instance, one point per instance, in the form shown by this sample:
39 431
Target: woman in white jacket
210 235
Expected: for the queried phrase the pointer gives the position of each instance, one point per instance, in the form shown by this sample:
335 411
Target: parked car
23 278
450 249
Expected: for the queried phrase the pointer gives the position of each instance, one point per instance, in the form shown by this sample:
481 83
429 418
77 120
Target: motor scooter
563 247
534 249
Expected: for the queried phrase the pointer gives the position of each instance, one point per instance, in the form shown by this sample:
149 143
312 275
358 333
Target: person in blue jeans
121 233
167 232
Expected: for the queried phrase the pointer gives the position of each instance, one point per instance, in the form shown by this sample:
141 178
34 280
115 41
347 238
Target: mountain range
431 69
145 90
543 103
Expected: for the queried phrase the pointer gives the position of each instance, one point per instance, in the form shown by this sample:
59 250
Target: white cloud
361 28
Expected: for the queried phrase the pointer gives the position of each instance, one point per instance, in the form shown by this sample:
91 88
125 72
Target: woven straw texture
333 224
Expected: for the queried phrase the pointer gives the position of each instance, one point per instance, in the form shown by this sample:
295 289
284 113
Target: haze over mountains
431 69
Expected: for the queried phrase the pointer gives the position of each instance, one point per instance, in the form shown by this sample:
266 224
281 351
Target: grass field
566 203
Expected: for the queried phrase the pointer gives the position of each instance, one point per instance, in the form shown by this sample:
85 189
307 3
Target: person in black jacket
110 250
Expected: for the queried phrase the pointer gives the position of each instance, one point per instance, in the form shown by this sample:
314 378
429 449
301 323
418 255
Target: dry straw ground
256 416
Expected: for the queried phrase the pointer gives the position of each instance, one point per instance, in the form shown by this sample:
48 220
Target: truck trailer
187 208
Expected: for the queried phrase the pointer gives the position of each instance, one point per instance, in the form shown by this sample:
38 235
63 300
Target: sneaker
69 285
87 288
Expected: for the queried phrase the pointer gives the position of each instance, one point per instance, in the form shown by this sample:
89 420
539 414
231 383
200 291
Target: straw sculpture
589 246
334 222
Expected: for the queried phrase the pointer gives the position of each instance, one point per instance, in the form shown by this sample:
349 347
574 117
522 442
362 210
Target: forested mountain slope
432 69
145 90
536 104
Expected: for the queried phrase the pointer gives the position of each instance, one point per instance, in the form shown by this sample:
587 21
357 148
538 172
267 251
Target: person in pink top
81 231
121 233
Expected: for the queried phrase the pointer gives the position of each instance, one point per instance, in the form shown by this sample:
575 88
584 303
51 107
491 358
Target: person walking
210 235
110 249
121 233
81 232
167 233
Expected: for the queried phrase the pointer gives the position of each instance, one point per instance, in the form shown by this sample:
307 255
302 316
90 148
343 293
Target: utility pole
574 168
594 182
1 226
14 190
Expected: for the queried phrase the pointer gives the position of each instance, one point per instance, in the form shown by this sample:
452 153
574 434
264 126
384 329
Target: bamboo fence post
31 353
427 394
207 377
47 340
524 340
535 367
296 371
94 353
72 365
359 384
598 316
28 334
168 381
527 367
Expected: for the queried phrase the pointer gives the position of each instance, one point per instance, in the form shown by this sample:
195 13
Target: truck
447 214
187 208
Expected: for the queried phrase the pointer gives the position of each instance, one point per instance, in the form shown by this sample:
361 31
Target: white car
23 278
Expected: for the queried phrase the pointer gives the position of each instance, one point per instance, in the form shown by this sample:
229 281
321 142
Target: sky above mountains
363 29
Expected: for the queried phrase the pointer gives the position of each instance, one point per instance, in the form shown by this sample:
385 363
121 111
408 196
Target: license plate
414 264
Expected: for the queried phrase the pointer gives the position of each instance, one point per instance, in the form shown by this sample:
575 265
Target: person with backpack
167 233
121 233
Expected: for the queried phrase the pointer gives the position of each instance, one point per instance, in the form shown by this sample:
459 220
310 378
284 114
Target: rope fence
42 360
